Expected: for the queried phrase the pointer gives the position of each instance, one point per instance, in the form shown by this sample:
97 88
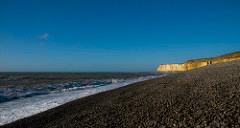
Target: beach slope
207 96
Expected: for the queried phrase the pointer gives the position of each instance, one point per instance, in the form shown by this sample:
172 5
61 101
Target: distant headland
197 63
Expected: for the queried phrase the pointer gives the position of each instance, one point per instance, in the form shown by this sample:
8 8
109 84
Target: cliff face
197 63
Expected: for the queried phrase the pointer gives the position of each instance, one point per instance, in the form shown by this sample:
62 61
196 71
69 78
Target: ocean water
19 102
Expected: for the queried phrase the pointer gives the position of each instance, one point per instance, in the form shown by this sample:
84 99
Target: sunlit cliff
197 63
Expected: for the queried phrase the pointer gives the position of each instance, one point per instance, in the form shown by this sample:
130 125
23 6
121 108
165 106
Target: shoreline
38 104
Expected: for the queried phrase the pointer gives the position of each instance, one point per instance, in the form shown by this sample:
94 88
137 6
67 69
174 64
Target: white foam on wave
21 108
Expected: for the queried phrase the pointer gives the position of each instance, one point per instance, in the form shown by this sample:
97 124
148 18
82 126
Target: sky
113 35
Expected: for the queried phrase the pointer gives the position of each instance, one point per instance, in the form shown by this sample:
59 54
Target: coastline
207 96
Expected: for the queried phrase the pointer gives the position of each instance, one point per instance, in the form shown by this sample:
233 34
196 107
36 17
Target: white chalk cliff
197 63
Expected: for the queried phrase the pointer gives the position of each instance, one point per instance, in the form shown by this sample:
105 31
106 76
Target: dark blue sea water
16 92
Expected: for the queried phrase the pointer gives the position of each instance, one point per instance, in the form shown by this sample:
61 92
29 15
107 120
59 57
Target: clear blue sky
114 35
